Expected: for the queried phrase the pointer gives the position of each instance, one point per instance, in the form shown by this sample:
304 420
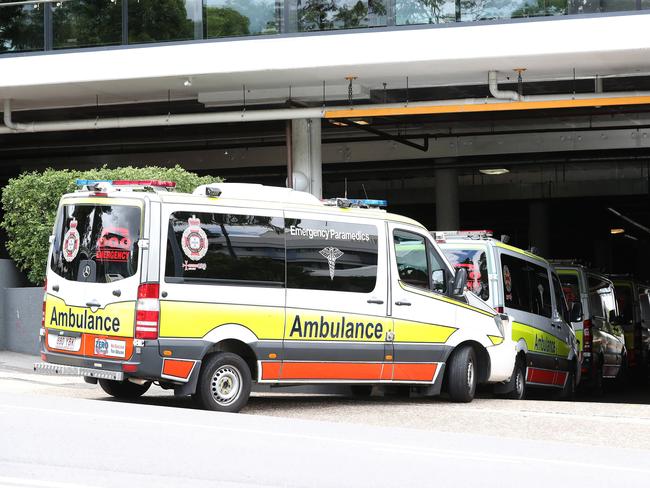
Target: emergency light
355 202
93 185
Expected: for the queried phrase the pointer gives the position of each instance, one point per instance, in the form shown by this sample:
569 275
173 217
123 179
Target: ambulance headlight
499 321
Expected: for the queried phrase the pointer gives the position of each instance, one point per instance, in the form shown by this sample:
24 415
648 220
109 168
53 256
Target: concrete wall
21 319
10 277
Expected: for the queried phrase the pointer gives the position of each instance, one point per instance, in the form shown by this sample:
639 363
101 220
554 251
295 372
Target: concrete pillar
538 226
307 161
447 204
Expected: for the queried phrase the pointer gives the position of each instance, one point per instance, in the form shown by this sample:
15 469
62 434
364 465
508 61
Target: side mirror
459 282
576 312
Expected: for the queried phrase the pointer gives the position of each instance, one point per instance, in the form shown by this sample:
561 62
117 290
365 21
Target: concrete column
538 227
447 204
307 161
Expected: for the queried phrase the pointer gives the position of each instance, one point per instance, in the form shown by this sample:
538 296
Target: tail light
587 336
44 303
147 311
499 309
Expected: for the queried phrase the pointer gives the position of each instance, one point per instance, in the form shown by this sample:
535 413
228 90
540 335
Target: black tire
518 381
224 383
568 392
124 389
361 391
462 375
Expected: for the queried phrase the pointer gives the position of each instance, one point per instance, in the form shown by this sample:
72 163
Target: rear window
570 288
96 243
475 262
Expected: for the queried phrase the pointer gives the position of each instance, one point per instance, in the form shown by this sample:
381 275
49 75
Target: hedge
30 203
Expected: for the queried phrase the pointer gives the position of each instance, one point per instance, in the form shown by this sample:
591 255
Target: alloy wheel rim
470 374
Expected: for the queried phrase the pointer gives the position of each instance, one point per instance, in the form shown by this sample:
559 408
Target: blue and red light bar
152 183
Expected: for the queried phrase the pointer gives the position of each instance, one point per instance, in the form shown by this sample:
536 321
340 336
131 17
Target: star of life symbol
71 242
331 254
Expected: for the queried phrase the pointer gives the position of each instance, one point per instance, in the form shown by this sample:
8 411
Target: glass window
162 20
424 11
570 288
475 262
315 15
625 302
526 286
21 28
437 270
242 17
83 23
327 255
601 297
225 248
411 257
96 243
562 308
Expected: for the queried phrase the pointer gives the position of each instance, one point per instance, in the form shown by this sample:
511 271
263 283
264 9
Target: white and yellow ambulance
209 292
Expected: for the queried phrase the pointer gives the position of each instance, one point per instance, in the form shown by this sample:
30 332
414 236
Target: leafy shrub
30 203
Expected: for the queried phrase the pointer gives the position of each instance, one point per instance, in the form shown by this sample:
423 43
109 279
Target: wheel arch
482 359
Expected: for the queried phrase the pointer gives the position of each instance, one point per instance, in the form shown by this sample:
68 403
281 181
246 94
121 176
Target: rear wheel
569 390
124 389
462 375
518 380
224 383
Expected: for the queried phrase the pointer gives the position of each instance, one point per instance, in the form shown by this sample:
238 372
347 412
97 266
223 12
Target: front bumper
64 370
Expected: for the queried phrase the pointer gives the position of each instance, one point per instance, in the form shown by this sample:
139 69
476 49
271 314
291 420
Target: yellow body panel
116 319
419 332
539 341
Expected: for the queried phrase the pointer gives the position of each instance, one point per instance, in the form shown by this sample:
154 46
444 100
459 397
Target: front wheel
224 383
518 380
124 389
461 375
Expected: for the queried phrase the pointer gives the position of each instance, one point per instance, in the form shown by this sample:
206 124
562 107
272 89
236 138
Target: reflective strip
179 368
348 371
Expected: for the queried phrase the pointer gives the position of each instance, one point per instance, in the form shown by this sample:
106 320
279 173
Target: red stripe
543 376
271 370
387 372
560 378
414 372
331 371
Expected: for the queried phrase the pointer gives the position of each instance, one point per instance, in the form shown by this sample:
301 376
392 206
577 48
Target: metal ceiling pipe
500 94
7 116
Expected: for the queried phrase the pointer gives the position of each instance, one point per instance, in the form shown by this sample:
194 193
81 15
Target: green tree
21 28
87 23
226 21
315 15
159 20
30 203
357 15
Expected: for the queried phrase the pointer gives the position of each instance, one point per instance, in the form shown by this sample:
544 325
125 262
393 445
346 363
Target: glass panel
411 257
161 20
242 17
235 249
595 6
79 23
96 243
437 269
424 11
315 15
326 255
21 28
475 262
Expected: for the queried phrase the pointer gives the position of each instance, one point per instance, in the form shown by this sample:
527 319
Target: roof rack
354 203
443 235
571 262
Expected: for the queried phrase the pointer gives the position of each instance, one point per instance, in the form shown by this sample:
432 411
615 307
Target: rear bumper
64 370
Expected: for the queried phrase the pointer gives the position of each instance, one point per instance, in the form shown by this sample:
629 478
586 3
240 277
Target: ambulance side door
336 325
424 317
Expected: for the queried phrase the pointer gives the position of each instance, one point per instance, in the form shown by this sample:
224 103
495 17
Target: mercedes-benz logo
86 271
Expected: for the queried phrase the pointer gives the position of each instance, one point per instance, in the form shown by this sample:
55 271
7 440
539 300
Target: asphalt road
60 432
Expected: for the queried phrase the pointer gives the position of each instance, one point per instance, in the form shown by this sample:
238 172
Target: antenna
346 188
364 190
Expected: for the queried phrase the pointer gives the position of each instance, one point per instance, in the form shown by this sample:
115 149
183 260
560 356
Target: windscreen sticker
328 234
331 254
187 266
71 242
507 278
194 240
114 245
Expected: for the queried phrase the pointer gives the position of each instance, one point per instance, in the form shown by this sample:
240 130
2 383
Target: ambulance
526 288
210 293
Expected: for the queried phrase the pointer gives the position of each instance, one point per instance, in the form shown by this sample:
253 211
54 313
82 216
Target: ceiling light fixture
188 82
617 230
494 171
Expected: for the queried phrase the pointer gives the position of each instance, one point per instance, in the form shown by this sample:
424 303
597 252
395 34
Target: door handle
402 303
117 293
376 301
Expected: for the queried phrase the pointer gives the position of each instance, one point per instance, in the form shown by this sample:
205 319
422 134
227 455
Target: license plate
110 347
64 343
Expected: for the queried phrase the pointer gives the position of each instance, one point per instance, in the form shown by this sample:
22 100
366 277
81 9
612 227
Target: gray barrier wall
23 313
10 277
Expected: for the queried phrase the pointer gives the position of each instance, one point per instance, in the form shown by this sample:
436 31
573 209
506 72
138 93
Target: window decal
194 241
71 242
331 254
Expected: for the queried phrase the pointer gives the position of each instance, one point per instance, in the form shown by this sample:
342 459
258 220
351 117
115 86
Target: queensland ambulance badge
194 240
71 242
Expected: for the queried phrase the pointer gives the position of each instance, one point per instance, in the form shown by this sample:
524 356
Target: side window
437 270
526 286
597 287
411 256
562 308
328 255
225 248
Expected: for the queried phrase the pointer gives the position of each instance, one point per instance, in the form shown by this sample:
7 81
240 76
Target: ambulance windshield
475 262
96 243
